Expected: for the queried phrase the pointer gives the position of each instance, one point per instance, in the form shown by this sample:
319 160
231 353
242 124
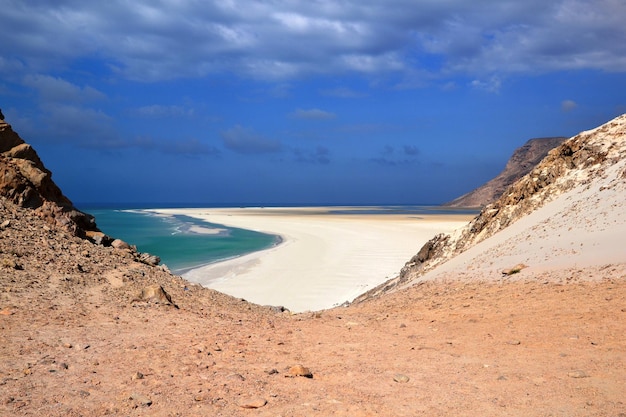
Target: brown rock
120 244
26 182
253 403
149 259
514 270
141 399
400 378
98 238
155 294
137 375
299 370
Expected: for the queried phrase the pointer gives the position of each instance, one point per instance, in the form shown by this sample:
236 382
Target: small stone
157 295
577 374
236 377
137 375
141 399
513 342
299 370
120 244
149 259
514 270
400 378
253 403
272 372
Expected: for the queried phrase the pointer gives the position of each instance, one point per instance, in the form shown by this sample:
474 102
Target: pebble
237 377
141 399
253 403
577 374
400 378
514 342
299 370
137 375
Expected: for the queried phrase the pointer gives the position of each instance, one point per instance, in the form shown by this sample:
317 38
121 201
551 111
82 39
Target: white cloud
53 89
160 111
313 114
568 105
491 84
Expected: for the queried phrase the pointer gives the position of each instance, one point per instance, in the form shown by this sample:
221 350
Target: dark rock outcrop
25 181
523 160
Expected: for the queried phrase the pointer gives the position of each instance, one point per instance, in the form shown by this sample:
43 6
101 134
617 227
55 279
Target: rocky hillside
25 181
598 154
520 164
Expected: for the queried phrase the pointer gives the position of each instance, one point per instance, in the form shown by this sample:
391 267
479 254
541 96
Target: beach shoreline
327 255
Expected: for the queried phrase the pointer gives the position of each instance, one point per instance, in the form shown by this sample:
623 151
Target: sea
183 243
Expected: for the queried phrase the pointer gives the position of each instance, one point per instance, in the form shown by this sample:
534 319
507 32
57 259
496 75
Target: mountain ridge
519 164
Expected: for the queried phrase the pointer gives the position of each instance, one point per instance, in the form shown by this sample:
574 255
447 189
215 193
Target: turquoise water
174 239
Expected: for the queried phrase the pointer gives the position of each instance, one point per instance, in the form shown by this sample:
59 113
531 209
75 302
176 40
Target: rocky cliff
520 164
576 162
25 181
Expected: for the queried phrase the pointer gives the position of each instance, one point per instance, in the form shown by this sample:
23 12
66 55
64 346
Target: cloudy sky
301 102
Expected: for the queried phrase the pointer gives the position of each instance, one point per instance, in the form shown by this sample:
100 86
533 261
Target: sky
317 102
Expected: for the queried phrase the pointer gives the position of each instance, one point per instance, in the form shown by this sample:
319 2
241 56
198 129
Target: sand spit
324 260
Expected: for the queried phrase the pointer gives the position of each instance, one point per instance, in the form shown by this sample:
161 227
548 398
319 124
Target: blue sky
288 102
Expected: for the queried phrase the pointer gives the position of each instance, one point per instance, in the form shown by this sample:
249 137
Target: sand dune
324 260
585 227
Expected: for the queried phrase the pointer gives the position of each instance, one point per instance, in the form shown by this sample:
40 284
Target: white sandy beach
324 259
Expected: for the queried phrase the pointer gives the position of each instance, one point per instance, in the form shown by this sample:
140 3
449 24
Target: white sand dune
325 259
584 227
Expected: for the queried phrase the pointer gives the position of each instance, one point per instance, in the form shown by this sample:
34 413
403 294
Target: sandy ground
76 340
324 259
